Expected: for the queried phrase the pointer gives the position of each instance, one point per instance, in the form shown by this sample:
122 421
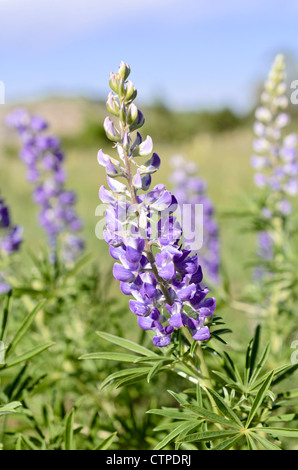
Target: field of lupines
119 329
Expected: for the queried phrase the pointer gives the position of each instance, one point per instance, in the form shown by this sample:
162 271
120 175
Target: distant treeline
166 125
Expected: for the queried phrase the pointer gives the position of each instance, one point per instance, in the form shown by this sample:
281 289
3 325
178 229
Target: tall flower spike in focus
189 189
44 159
142 231
10 240
275 159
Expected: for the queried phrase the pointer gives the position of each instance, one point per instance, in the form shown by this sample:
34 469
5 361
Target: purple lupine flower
145 238
10 236
275 156
44 159
275 159
10 240
189 189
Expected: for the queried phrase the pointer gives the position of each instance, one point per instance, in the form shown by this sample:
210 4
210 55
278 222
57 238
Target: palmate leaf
259 398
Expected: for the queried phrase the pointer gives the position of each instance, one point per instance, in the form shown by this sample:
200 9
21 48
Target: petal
201 334
122 274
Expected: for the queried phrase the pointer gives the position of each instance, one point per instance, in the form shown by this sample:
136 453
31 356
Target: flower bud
138 122
124 70
112 104
130 92
132 113
110 130
146 147
113 82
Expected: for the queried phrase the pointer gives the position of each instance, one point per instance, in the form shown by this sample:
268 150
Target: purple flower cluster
142 231
44 160
189 189
275 159
275 156
10 239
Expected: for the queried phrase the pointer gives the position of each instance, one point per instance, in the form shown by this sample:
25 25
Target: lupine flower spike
10 240
275 157
189 189
142 231
44 160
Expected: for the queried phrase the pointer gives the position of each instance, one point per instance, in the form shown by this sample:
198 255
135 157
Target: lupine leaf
167 426
224 408
179 397
68 431
278 431
106 443
236 375
172 413
287 417
225 445
208 436
27 322
199 395
154 359
264 442
210 416
9 408
28 443
112 356
171 436
124 373
259 398
28 354
125 343
253 352
6 312
251 443
287 372
260 364
130 380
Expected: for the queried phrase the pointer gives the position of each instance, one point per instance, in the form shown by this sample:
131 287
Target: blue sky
189 53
